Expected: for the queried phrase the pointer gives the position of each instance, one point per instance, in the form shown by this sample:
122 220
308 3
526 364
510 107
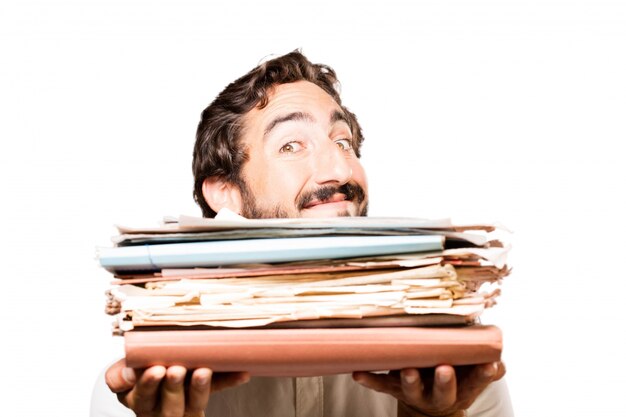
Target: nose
331 165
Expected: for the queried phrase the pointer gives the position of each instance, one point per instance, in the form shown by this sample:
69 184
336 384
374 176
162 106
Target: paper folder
309 352
219 253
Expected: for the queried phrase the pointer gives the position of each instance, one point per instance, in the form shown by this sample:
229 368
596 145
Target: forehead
300 96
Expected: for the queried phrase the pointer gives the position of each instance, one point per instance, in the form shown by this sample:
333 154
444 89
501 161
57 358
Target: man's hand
438 392
160 391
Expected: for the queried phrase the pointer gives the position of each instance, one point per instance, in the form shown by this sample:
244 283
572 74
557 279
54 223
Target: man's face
301 161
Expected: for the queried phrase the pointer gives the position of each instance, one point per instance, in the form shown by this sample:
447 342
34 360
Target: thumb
119 378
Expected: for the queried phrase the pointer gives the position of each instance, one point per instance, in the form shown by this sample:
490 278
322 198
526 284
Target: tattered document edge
249 302
202 224
191 223
291 268
495 256
132 239
191 229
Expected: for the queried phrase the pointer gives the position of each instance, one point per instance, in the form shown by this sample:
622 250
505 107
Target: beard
352 191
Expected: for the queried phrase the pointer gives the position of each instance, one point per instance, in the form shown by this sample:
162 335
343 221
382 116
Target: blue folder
231 252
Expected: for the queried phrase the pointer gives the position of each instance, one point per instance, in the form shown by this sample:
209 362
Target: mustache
353 192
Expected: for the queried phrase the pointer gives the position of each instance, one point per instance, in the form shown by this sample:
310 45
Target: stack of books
301 297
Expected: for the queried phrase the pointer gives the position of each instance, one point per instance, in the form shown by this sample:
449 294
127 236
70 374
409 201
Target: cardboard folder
314 351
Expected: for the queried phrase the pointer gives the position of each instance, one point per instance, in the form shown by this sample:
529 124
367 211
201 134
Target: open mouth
338 199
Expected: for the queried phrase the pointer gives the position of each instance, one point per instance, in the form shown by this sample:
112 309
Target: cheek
255 177
358 174
278 183
287 180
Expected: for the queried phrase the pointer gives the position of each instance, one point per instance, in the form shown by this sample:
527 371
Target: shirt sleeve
494 401
104 403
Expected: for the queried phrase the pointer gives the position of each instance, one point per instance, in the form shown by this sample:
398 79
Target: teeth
334 199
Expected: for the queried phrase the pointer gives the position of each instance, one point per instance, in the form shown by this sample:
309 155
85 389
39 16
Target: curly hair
218 151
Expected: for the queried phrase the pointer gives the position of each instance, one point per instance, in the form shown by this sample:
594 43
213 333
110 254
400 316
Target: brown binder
314 351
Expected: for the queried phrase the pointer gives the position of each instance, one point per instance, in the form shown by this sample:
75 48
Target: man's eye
344 144
290 147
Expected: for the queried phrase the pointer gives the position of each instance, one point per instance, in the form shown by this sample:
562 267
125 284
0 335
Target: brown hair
218 151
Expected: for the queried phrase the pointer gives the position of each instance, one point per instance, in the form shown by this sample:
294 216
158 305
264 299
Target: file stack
305 296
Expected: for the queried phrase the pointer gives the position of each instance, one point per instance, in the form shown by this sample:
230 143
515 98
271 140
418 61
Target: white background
510 111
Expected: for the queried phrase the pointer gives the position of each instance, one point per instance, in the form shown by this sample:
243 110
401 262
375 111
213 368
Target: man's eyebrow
297 115
338 116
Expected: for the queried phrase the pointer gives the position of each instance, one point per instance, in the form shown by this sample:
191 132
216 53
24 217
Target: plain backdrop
509 111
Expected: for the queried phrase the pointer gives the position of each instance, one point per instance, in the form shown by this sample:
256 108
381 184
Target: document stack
303 297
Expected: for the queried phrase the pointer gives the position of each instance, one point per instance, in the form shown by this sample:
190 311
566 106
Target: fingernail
444 377
129 375
358 377
177 378
410 377
490 370
158 373
203 380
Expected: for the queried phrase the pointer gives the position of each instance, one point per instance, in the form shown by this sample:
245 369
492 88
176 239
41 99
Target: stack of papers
352 282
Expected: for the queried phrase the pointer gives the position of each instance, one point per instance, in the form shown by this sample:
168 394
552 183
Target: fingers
444 388
437 395
412 386
119 378
143 397
199 390
228 380
388 384
163 390
173 391
203 382
477 380
500 372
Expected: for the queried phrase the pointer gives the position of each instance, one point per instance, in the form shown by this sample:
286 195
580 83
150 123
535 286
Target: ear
219 193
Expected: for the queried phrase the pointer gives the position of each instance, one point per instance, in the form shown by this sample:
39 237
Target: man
279 143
